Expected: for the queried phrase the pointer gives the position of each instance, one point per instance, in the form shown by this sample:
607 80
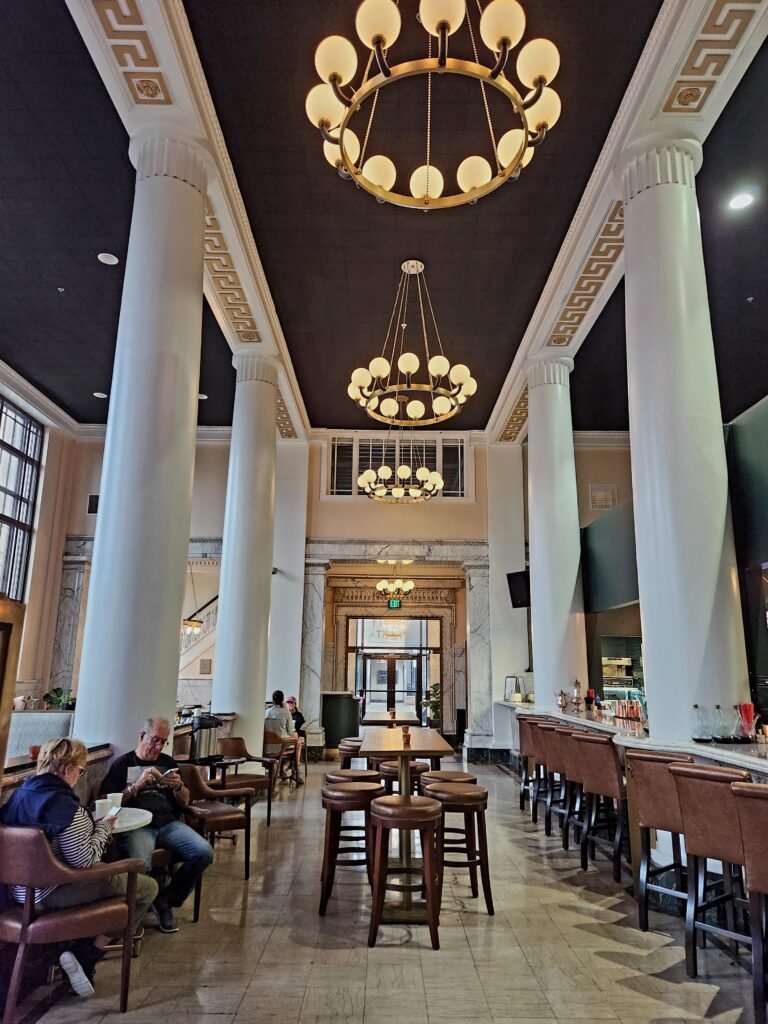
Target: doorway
393 681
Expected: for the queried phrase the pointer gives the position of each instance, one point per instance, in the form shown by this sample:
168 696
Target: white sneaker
77 976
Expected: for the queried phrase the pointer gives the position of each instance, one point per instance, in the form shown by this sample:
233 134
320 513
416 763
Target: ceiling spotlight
100 394
741 200
202 397
60 290
108 258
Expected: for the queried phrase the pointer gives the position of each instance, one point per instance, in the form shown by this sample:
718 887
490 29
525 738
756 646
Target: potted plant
58 699
435 705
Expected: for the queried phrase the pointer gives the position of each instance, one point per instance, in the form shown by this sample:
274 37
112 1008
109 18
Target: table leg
404 782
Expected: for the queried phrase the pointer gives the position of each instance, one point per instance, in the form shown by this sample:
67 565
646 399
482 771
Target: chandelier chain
423 321
434 318
482 89
429 115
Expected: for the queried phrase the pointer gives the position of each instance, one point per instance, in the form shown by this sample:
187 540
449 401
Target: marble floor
562 946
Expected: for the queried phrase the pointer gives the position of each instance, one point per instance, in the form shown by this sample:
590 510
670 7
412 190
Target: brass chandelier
334 105
192 626
407 481
390 389
397 589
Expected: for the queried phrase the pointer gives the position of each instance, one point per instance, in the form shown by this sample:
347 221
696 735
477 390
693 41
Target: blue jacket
42 801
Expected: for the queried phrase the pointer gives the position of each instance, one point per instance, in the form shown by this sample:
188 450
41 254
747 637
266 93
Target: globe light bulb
538 59
509 146
546 110
422 474
434 13
461 399
415 492
353 391
473 172
322 106
438 366
418 183
388 408
415 409
441 405
380 170
336 56
408 363
361 377
372 403
380 492
398 492
370 475
379 367
459 373
384 472
377 19
361 481
469 387
399 583
502 19
332 152
403 472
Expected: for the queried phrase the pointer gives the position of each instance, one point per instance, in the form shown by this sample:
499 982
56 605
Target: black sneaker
165 918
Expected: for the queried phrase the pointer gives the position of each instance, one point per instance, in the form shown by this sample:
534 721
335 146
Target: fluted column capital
159 155
549 369
252 365
659 162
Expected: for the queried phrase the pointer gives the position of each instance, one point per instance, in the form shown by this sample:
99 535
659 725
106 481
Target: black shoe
299 780
166 920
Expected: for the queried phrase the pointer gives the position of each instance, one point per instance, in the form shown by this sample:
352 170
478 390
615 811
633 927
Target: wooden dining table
391 744
382 717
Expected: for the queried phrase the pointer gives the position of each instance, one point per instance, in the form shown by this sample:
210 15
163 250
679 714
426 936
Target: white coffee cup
102 806
115 799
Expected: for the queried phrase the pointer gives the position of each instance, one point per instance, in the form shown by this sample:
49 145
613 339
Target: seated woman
278 719
47 801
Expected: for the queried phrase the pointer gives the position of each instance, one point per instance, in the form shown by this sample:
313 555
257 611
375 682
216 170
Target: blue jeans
188 846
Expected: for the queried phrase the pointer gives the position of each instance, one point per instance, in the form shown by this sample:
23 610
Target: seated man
278 719
148 779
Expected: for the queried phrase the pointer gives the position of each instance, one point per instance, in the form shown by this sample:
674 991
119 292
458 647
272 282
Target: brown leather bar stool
752 808
471 842
339 799
406 814
389 773
602 778
657 807
537 790
526 757
429 777
574 790
712 831
549 746
351 775
349 747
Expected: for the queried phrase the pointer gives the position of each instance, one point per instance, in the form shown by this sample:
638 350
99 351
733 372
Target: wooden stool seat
339 798
389 771
470 842
458 795
349 748
350 796
351 775
408 810
429 777
357 740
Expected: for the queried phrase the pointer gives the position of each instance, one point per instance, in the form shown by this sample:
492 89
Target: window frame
34 464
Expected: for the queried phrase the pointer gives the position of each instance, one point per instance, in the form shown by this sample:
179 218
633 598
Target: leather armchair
234 746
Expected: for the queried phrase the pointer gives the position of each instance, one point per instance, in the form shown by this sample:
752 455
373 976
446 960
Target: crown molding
601 439
16 389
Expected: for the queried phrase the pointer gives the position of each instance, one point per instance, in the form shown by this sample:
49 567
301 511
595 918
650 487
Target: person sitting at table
47 801
299 721
278 719
148 779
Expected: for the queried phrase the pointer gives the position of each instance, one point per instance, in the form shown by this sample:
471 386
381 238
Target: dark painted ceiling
332 254
736 257
66 193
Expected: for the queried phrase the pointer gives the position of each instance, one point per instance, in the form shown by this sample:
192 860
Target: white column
557 617
242 632
479 732
312 636
130 659
693 641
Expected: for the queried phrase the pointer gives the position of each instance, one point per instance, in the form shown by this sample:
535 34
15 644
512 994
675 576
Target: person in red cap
299 720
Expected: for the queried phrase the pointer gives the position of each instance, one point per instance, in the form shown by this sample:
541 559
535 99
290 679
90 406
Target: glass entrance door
393 681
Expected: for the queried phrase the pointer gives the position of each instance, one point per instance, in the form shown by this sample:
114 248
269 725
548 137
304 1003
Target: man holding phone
149 779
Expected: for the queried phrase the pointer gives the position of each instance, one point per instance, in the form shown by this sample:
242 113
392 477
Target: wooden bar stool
351 775
338 800
526 757
349 747
429 777
549 747
574 790
389 774
471 842
712 831
407 814
657 807
752 808
602 778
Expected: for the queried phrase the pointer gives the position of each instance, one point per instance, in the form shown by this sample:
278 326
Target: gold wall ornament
132 50
518 417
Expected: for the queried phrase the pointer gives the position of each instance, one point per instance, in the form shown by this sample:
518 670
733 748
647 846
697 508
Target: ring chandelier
334 105
411 483
389 389
397 589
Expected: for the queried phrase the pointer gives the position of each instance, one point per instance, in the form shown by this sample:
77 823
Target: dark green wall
608 561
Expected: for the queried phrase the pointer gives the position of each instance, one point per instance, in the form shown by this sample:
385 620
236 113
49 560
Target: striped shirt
80 845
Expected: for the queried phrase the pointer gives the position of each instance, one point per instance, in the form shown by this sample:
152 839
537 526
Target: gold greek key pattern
713 48
132 50
284 421
226 281
602 258
518 419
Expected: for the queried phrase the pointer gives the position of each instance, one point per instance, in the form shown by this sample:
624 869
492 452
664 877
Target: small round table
131 818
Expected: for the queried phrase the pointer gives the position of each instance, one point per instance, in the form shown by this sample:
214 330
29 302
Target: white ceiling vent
602 497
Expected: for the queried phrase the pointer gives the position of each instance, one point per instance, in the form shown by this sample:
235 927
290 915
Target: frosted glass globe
469 387
415 409
546 110
380 170
322 105
353 391
361 481
403 472
388 408
441 406
384 472
418 183
377 18
502 19
434 12
398 583
409 586
415 492
538 59
461 399
422 474
336 56
362 403
434 477
398 492
459 373
438 366
408 363
370 475
373 403
332 152
473 172
381 585
379 367
361 377
509 145
380 492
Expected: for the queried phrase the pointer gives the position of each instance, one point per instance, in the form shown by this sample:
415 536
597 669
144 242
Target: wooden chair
234 746
26 858
286 756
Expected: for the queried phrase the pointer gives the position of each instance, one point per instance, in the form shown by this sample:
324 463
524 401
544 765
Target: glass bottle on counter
722 731
702 732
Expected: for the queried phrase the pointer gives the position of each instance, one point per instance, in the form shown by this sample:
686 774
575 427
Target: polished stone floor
562 946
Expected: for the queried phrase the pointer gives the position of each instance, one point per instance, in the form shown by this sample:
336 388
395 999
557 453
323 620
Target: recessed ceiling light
108 258
202 397
100 394
60 290
740 200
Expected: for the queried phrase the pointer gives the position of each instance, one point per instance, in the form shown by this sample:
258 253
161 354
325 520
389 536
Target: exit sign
394 602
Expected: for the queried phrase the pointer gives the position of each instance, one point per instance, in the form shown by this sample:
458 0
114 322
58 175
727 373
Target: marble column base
487 755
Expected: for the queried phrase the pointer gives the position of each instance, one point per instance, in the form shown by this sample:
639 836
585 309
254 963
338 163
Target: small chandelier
397 589
333 106
395 397
410 482
192 626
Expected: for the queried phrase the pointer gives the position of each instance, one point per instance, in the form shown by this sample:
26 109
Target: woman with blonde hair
48 801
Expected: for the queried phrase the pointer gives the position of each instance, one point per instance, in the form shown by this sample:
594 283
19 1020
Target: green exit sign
394 602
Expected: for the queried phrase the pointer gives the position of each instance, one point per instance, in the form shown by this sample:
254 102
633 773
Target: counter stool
657 807
602 778
712 830
549 746
407 814
471 801
752 808
389 773
574 790
351 775
429 777
527 769
539 782
338 799
349 747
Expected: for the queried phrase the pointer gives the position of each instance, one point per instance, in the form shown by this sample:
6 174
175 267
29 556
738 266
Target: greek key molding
252 366
133 51
602 258
283 417
664 165
549 371
169 158
226 280
518 418
716 42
